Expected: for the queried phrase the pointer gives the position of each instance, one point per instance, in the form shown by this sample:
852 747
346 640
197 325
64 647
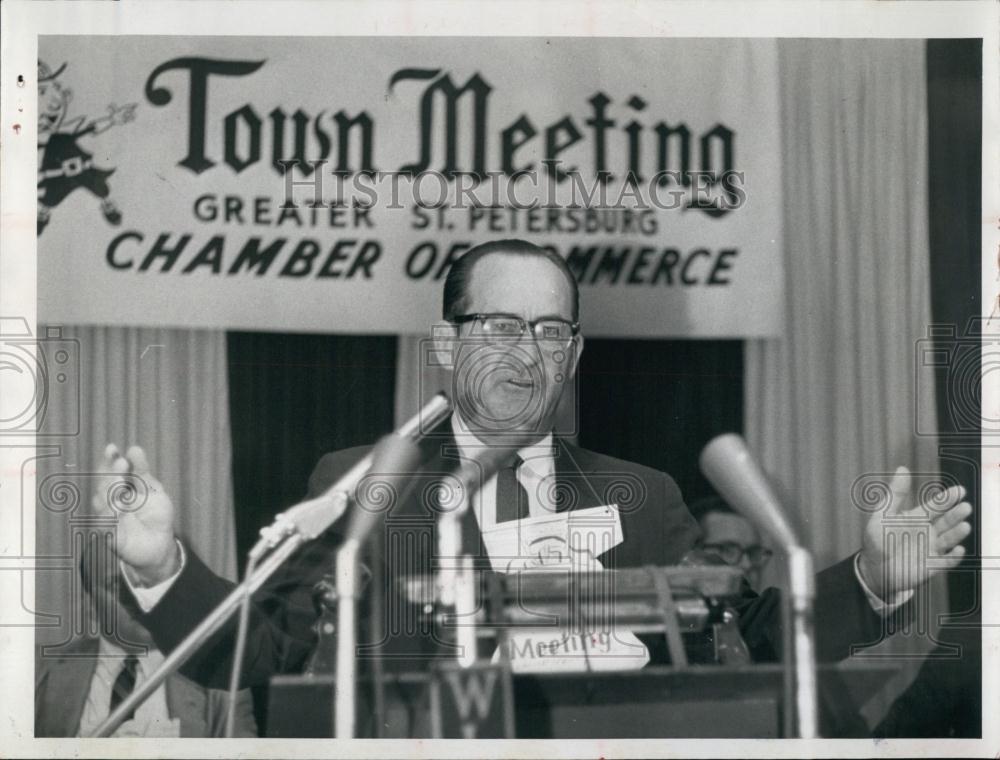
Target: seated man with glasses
730 537
510 336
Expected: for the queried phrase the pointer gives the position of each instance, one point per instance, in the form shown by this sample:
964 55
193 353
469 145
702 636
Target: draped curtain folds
835 399
163 389
293 398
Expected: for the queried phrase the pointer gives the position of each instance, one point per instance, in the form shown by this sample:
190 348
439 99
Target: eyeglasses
732 553
502 327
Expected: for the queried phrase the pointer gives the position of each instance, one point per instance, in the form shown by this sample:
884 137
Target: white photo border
21 24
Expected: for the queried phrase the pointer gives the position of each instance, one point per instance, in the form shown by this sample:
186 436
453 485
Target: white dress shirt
536 473
152 718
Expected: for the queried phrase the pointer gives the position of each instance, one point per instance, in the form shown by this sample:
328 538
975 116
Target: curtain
954 96
658 402
293 398
165 390
836 398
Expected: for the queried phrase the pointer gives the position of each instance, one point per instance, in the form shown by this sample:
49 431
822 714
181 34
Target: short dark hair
701 508
457 282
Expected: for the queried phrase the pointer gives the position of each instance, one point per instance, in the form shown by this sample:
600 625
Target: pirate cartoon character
63 165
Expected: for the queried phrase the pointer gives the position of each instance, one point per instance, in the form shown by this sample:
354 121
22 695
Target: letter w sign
472 703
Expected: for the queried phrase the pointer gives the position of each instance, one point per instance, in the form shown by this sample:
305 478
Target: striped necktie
124 684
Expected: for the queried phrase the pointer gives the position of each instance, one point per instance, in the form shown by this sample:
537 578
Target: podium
699 702
710 689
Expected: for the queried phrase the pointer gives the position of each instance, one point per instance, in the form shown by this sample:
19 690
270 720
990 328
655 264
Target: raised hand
144 512
894 556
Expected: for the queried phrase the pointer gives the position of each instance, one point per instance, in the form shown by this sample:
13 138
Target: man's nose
527 349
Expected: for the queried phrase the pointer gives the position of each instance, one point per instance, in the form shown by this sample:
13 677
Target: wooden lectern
710 689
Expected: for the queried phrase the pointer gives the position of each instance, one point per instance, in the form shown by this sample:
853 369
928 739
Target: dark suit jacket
657 529
63 682
945 698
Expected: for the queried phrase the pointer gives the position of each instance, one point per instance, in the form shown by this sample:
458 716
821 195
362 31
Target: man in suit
511 329
78 684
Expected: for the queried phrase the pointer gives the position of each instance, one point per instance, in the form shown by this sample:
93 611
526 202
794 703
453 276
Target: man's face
725 534
513 385
53 100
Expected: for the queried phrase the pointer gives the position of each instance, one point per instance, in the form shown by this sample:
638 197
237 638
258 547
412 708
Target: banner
325 184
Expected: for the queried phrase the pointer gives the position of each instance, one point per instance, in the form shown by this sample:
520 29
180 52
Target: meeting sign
326 184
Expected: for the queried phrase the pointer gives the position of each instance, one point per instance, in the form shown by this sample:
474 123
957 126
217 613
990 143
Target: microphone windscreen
729 467
395 460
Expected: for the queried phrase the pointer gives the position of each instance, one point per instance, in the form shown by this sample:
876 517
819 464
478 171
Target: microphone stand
213 622
346 673
291 529
394 461
802 594
456 576
729 466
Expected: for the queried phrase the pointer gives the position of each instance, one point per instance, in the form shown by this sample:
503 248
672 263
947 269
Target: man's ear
576 349
441 349
67 95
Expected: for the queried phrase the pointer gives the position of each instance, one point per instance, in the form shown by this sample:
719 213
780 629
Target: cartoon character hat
45 74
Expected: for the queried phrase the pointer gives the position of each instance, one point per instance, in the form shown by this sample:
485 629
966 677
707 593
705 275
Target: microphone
394 461
472 474
729 466
731 469
469 476
311 518
455 581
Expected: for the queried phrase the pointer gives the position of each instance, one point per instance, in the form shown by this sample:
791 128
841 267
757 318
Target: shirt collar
535 453
149 660
106 649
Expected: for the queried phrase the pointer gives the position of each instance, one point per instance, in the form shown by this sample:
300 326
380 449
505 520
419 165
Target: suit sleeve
843 617
280 635
41 686
680 529
245 725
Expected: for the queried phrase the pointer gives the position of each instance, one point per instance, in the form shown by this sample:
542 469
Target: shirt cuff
149 596
881 607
